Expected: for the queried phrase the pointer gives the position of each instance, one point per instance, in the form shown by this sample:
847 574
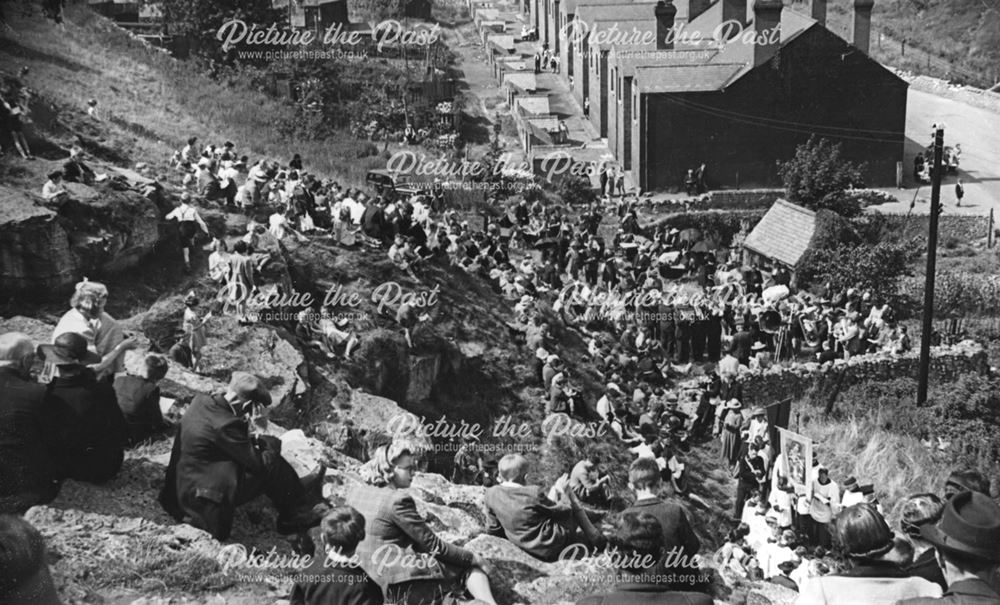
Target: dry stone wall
764 387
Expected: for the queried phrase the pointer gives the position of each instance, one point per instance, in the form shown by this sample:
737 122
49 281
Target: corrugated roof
685 78
783 234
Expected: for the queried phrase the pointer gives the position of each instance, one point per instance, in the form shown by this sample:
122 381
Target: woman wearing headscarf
871 577
395 534
103 333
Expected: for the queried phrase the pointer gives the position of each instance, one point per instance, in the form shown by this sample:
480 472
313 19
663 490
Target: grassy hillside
150 103
955 39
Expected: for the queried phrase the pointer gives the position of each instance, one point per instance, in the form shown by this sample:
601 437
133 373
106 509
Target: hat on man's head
69 348
758 411
851 484
733 404
969 527
248 386
758 346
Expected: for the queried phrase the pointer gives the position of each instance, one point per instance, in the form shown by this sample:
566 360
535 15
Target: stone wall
965 229
780 382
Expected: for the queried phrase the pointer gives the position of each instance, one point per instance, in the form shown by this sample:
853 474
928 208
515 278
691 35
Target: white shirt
184 212
603 407
825 499
51 190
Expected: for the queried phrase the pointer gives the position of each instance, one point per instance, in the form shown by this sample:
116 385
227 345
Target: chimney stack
733 11
819 11
697 7
863 24
767 25
665 12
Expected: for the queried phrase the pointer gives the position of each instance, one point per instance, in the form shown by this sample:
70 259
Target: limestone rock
98 230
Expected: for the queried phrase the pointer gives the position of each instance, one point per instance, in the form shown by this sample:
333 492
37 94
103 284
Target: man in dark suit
639 539
679 540
967 539
742 342
27 467
216 466
525 516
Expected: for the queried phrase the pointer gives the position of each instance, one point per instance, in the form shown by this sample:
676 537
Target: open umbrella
690 235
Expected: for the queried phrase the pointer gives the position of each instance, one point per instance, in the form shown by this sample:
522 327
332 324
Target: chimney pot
734 10
767 25
863 24
819 11
665 12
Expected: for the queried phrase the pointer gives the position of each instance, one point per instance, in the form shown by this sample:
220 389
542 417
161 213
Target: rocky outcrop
98 230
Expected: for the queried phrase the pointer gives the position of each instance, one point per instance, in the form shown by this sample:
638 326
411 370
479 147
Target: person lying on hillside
139 400
75 170
53 189
326 333
537 525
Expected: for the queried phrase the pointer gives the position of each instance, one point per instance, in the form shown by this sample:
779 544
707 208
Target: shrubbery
818 177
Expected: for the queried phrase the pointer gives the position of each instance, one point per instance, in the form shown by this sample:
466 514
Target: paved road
978 130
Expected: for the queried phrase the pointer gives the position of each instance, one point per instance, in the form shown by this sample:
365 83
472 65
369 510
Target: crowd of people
656 305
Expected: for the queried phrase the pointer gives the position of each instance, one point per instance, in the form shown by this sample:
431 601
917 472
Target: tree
576 190
818 177
202 20
379 10
876 268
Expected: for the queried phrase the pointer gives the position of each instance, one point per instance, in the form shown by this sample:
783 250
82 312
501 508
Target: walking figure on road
959 191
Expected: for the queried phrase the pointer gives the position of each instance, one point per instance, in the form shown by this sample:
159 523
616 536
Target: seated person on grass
139 400
527 517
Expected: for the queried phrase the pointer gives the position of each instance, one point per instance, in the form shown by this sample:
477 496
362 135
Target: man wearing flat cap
216 465
27 466
967 540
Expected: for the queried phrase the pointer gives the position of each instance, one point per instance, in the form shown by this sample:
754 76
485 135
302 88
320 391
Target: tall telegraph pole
925 337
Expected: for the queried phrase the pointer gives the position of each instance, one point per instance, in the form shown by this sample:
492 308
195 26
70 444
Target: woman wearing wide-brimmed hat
90 428
872 578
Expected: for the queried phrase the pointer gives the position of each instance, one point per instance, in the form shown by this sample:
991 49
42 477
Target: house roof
717 60
627 58
632 11
640 31
570 7
301 3
700 77
538 105
783 234
526 82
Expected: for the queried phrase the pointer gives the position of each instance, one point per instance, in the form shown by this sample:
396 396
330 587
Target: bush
819 177
876 268
576 190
